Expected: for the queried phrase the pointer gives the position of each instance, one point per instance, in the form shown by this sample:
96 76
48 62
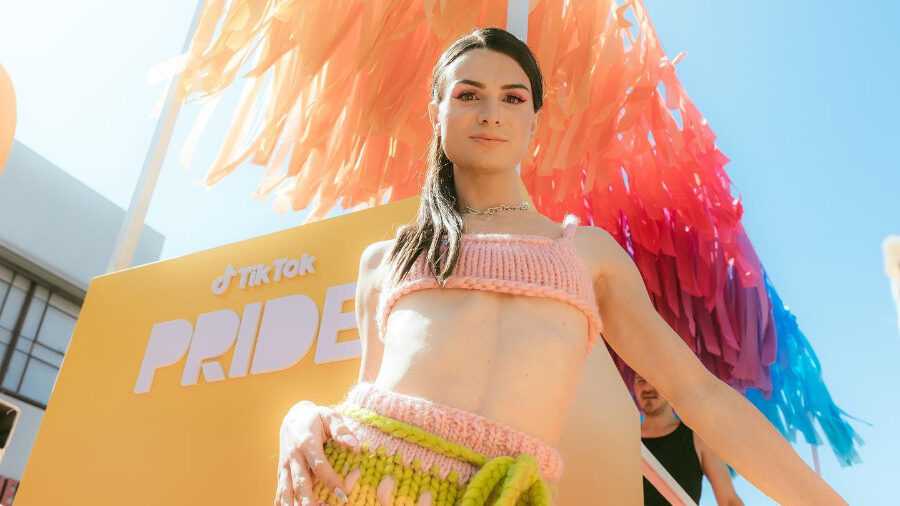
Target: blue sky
800 94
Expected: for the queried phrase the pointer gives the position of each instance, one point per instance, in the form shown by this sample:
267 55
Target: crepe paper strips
800 398
334 108
334 95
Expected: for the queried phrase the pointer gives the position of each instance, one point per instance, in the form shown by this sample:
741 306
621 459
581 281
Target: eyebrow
481 85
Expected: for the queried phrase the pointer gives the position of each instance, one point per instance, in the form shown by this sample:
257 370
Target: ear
433 115
536 121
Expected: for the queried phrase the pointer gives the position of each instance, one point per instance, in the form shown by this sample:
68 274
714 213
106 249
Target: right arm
307 426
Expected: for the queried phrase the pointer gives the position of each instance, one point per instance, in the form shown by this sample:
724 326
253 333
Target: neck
659 421
481 191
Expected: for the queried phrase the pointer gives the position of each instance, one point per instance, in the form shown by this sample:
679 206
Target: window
40 323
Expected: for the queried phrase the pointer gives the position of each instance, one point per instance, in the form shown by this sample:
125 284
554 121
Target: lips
492 138
488 141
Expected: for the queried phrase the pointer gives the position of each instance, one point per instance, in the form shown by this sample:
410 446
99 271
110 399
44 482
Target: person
684 454
476 320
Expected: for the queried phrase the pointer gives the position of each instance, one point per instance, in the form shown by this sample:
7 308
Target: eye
465 94
518 99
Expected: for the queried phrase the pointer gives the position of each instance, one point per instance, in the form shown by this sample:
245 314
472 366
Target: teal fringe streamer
799 397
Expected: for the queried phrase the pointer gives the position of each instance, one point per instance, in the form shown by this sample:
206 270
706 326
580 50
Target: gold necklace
490 211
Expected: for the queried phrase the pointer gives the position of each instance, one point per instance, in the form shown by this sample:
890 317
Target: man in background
684 455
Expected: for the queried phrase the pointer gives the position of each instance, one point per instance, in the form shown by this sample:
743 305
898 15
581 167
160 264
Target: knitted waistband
476 432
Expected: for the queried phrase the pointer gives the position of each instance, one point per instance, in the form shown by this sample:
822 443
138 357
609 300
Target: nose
490 113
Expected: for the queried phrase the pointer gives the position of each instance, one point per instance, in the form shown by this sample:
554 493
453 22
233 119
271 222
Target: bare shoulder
599 250
700 444
595 236
375 255
372 265
698 441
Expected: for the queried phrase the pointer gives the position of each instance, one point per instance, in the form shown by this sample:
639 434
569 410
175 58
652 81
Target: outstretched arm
717 473
723 418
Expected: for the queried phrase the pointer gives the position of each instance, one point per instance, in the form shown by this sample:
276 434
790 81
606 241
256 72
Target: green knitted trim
518 478
415 435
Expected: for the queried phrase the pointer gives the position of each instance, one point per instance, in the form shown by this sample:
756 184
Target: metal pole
891 248
123 251
815 458
517 19
517 24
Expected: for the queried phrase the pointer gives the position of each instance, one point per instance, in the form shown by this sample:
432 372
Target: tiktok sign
268 336
255 275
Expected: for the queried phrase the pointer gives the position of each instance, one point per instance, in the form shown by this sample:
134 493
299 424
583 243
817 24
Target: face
485 94
648 398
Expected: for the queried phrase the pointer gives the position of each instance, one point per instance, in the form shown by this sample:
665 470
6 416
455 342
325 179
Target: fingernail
340 494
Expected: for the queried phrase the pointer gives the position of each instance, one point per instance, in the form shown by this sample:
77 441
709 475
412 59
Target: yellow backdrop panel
179 373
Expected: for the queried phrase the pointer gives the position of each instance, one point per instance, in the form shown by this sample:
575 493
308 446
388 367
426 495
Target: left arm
716 472
723 418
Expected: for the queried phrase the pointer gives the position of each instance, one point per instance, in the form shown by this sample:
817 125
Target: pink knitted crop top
516 264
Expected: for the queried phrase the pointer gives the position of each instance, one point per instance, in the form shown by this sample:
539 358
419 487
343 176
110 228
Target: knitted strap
519 475
570 224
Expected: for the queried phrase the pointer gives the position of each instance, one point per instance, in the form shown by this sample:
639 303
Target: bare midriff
512 358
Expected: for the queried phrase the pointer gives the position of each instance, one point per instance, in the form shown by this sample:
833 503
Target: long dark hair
438 218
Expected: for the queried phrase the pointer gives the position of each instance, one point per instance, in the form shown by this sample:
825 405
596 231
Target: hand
301 458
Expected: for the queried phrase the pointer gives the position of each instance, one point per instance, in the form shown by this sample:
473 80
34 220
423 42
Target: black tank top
676 452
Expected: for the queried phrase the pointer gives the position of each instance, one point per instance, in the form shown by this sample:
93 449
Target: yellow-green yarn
518 477
376 465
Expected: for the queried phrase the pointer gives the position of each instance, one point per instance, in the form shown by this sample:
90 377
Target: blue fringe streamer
799 394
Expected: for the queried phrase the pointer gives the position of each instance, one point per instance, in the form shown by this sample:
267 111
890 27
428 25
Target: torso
516 359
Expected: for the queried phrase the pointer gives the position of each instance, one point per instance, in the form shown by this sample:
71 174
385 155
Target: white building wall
58 222
60 233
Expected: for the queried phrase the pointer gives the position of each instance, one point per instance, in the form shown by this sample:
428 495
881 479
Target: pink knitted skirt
417 452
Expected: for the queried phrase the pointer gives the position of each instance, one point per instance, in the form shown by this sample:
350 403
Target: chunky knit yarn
471 430
517 477
531 265
417 452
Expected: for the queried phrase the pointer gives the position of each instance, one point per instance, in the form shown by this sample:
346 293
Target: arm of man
723 418
368 286
717 473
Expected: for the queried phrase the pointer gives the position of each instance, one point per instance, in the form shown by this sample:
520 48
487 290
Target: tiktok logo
258 274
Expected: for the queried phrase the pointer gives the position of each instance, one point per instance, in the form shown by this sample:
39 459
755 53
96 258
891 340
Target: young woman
476 322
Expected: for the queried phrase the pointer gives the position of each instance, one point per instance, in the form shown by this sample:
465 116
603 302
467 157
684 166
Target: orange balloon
7 116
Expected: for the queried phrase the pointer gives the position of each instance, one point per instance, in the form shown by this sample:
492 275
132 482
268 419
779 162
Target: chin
482 166
651 407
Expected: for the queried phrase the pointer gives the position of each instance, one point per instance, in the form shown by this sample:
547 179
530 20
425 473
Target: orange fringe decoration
345 105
